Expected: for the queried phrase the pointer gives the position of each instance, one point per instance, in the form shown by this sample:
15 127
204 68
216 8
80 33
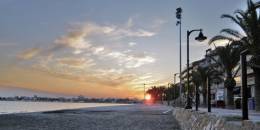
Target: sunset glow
148 97
97 49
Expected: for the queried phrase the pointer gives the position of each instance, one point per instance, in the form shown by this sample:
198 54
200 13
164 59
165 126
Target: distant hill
6 91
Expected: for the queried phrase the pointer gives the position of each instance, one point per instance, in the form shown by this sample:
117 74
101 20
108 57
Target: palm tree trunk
230 83
257 83
230 98
257 88
204 94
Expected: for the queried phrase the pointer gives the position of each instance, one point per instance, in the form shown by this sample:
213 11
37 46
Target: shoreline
132 117
27 107
63 102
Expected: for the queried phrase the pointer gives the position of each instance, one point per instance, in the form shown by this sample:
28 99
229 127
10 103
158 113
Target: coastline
134 117
9 107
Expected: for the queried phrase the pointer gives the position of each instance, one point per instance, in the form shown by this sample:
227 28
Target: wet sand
132 117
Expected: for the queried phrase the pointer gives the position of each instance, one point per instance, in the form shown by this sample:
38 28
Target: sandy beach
130 117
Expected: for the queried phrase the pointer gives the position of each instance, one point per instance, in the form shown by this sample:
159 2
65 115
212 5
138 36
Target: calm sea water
24 107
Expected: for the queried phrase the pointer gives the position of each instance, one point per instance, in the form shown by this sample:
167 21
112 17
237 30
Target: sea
9 107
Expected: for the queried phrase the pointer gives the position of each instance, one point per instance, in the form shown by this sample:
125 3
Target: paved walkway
131 117
253 115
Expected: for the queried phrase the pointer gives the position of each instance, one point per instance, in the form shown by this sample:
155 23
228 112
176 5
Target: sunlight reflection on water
7 107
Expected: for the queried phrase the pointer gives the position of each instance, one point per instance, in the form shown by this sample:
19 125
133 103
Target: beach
127 117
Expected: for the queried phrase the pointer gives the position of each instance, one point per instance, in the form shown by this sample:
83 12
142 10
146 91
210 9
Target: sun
147 97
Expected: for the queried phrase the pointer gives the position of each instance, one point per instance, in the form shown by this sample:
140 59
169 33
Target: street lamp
199 38
208 51
243 63
179 16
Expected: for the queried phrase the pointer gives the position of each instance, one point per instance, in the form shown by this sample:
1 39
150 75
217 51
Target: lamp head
179 10
178 13
200 37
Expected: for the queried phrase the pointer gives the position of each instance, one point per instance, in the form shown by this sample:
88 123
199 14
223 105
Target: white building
218 91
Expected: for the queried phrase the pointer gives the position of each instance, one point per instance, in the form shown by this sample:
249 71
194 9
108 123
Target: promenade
129 117
253 115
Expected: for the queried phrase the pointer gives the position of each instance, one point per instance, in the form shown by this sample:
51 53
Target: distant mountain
6 91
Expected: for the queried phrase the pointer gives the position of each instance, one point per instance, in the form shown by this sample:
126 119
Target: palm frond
218 38
231 32
240 12
230 17
257 4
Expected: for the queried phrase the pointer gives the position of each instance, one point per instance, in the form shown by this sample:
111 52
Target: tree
249 22
200 75
228 60
199 78
156 93
172 92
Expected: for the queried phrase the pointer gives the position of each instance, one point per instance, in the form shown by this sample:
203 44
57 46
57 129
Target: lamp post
168 94
179 16
197 97
200 38
243 63
174 85
208 82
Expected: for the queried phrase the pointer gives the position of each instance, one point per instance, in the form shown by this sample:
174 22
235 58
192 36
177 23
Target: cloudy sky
100 48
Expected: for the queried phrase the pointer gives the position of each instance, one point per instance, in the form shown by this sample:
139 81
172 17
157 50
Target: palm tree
200 75
199 78
156 92
228 60
172 92
249 22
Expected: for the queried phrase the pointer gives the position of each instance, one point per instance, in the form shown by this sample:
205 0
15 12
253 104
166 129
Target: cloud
144 78
143 33
121 33
221 42
158 23
134 62
97 50
131 44
77 51
105 77
59 59
76 38
131 61
107 29
110 71
117 55
127 30
28 54
81 37
76 62
114 76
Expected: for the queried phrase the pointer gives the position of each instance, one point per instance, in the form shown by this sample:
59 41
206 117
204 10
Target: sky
101 48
